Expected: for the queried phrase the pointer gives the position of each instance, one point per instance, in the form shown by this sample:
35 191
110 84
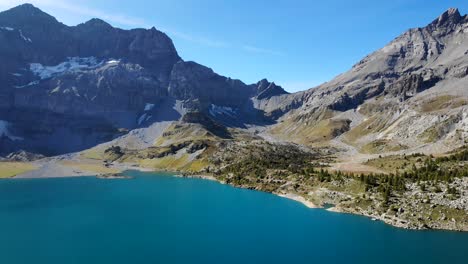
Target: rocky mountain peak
450 17
263 84
96 22
266 89
28 9
26 14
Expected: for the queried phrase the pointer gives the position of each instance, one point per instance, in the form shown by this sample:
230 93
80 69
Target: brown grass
443 102
11 169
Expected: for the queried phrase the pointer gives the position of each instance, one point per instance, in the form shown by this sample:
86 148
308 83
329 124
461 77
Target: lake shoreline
143 219
299 199
122 167
336 208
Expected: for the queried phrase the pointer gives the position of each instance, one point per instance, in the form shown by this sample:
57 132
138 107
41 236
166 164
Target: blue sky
296 43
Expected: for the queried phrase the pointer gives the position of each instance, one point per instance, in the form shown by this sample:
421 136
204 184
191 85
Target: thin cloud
199 40
253 49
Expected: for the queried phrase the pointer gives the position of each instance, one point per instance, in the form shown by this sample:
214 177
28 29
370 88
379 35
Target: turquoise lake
156 218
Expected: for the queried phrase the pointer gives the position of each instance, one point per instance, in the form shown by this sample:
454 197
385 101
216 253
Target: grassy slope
316 129
11 169
396 163
175 163
442 102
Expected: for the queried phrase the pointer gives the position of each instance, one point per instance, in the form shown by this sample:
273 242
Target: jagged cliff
90 82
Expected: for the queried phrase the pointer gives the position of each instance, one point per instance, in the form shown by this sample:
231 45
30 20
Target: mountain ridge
421 59
117 84
128 69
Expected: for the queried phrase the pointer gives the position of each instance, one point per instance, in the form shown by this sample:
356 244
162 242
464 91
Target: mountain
91 82
387 139
410 95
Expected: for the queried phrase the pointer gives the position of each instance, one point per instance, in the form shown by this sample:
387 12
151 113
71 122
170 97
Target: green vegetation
394 163
113 153
292 169
178 132
381 146
168 162
425 170
287 168
265 162
462 155
259 164
187 156
95 153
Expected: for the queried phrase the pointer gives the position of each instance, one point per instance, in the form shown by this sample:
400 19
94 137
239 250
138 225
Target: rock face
266 89
40 38
64 89
60 81
93 76
191 81
403 93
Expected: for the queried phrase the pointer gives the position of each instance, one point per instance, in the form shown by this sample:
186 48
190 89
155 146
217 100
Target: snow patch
149 107
72 64
4 131
222 110
17 74
141 119
7 28
113 62
27 85
24 37
20 32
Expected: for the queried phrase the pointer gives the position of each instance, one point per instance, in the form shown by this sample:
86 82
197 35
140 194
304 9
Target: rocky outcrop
265 89
192 81
448 21
23 156
208 123
411 85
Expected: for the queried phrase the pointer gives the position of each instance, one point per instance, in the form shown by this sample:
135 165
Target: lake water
156 218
